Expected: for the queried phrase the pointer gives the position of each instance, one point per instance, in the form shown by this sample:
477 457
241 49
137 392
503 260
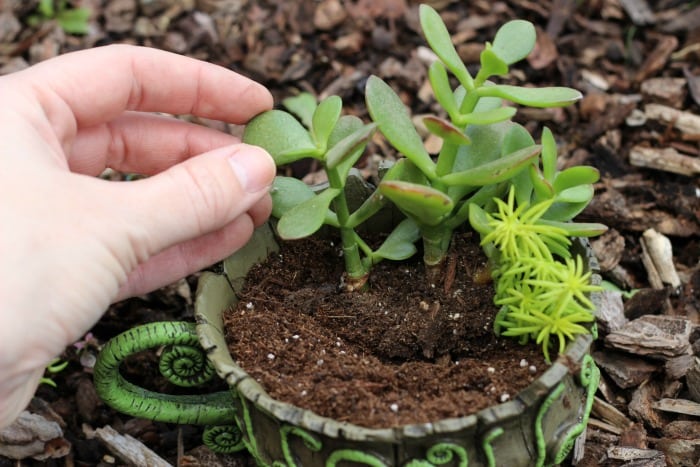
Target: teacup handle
183 363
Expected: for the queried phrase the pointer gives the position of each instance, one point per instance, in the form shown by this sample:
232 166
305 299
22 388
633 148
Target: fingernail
253 167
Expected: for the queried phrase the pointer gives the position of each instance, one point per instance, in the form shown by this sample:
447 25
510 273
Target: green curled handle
118 393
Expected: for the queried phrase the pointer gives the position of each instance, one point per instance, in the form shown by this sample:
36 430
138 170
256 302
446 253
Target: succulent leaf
307 217
532 97
514 41
495 171
325 118
287 192
439 39
303 106
280 134
446 130
394 122
427 205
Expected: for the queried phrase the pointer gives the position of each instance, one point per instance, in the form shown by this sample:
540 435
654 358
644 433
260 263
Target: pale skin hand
70 243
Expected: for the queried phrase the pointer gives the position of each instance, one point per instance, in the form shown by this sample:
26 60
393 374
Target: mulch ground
637 64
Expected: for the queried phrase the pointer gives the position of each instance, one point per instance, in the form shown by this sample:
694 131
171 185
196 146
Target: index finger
100 83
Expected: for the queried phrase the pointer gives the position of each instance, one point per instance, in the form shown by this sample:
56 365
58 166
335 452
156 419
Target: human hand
71 243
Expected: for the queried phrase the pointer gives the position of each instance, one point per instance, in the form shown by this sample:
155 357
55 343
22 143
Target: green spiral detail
224 439
115 391
185 365
590 378
353 455
488 449
539 434
310 442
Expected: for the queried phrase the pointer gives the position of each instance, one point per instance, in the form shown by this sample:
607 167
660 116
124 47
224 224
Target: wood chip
638 11
33 436
666 159
678 367
610 414
680 452
693 84
657 58
657 257
693 380
129 449
629 454
687 122
655 336
329 14
627 371
681 406
665 91
641 405
610 313
609 248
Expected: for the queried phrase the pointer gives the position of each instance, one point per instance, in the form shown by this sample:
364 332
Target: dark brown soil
404 351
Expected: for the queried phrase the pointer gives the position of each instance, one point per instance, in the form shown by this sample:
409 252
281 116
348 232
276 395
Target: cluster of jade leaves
489 172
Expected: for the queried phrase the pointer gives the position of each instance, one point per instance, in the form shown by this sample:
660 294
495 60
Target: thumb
197 196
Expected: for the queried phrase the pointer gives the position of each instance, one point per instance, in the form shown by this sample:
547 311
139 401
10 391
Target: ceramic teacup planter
489 175
537 427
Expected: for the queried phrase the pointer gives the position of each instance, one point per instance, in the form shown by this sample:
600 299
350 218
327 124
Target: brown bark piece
655 336
33 436
128 449
626 371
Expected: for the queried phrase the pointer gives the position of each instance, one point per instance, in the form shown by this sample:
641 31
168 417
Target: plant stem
354 267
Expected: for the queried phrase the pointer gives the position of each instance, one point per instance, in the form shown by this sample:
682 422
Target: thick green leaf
281 135
479 220
325 118
564 211
303 106
491 63
532 97
346 125
288 192
372 205
488 116
486 145
576 194
541 186
400 244
518 138
446 130
426 205
577 229
574 176
549 155
514 41
394 122
306 218
351 145
438 37
495 171
442 89
483 196
404 170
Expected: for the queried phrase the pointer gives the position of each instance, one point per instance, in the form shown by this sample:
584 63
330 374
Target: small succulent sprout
320 131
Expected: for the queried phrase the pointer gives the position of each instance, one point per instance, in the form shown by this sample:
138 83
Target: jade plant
489 173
